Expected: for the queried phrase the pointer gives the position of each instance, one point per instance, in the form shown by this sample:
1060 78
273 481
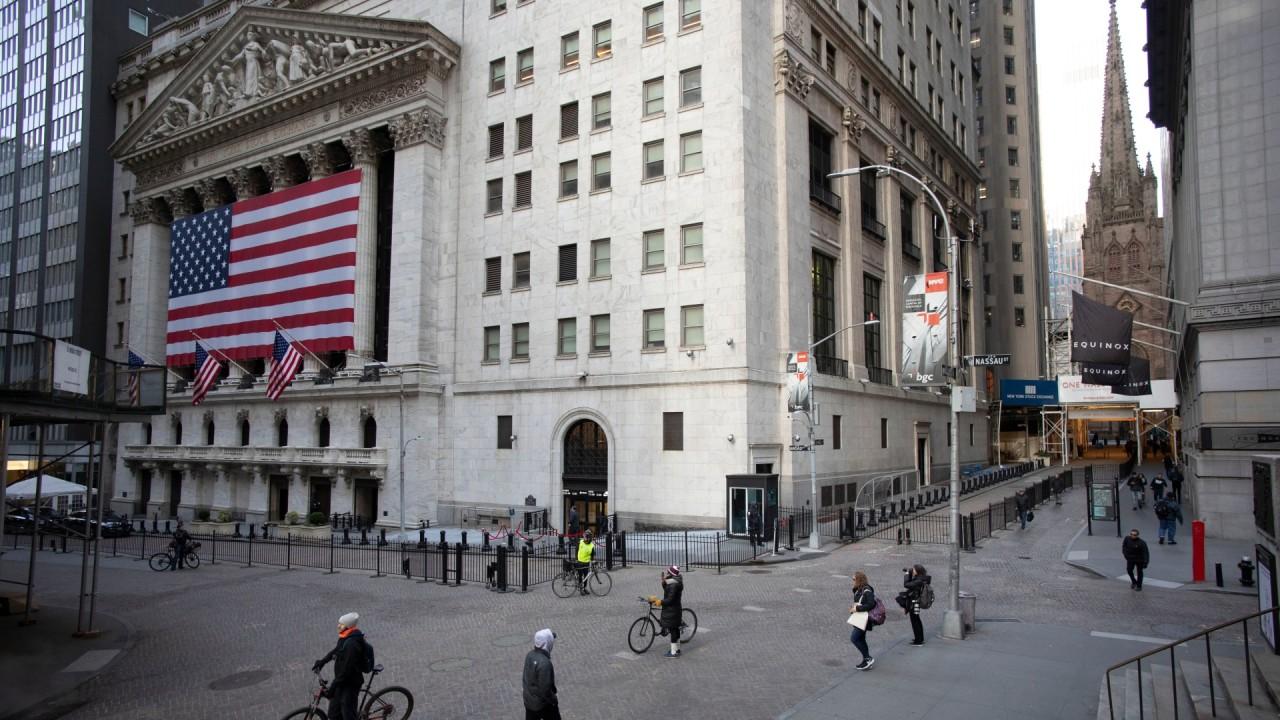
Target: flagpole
212 349
1119 287
149 361
302 345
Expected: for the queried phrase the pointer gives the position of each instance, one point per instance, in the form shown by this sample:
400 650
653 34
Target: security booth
743 492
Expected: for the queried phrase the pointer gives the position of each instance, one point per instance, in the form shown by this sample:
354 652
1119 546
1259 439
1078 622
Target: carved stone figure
251 56
795 23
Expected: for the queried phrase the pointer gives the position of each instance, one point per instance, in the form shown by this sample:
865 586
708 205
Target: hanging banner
1137 379
798 396
1099 333
1103 373
924 329
1071 391
70 368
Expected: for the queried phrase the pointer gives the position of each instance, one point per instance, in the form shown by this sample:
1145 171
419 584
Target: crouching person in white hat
352 658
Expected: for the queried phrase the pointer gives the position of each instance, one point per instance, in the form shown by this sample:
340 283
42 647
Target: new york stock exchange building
535 255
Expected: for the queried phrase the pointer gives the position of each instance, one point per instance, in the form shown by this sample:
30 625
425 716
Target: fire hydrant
1246 572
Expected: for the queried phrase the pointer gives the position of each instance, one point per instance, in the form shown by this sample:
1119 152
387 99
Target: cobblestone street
769 637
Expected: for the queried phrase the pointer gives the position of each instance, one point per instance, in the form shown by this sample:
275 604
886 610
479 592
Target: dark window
824 305
146 433
1019 317
948 434
370 432
568 263
322 433
569 120
493 274
1017 252
871 333
208 433
939 243
524 190
673 431
1008 64
1013 157
907 226
884 432
520 270
282 433
244 433
970 434
493 196
1011 125
826 496
835 432
840 493
1008 34
1017 285
524 133
177 433
1015 219
820 142
497 144
870 207
504 432
1010 95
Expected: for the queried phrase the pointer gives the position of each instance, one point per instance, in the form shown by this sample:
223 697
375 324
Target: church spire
1119 161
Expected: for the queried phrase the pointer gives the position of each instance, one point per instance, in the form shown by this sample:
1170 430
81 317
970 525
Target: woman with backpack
919 596
866 612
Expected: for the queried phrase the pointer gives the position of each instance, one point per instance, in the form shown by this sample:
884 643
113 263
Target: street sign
799 448
819 441
988 360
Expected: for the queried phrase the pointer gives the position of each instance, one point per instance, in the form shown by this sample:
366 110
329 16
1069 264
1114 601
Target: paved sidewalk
1170 564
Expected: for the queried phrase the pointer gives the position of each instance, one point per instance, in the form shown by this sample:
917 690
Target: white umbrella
50 486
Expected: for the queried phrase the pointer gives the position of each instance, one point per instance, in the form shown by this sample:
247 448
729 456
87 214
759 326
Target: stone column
318 160
148 313
299 491
277 169
415 246
187 499
259 504
360 145
340 498
243 183
221 488
159 489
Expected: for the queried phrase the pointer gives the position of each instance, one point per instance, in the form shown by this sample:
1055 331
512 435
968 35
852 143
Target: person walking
1175 483
586 550
1136 558
1158 486
864 601
539 679
1138 488
1169 512
919 595
352 657
574 525
672 605
1022 503
753 526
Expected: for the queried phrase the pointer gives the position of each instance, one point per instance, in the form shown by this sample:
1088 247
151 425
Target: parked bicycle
597 580
164 560
647 627
390 703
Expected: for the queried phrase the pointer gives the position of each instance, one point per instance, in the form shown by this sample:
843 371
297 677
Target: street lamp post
815 538
951 624
399 373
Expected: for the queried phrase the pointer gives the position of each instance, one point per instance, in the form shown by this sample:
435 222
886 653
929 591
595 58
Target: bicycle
386 704
597 581
645 628
164 560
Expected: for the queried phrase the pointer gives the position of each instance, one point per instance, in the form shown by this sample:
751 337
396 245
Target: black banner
1138 380
1099 334
1103 373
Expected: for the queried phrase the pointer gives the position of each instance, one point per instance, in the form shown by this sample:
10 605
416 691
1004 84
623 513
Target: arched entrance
585 477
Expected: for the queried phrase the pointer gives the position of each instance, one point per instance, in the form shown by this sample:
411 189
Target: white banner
798 382
1073 391
70 368
924 329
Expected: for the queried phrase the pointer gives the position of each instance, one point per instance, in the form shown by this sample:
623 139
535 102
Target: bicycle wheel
688 625
193 560
565 584
640 637
306 714
600 583
160 561
389 703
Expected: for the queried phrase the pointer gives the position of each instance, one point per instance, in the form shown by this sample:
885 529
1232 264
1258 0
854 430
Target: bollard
608 551
155 525
465 546
911 505
622 547
871 522
908 536
237 532
422 538
484 535
404 567
524 569
457 567
364 536
511 540
791 534
264 531
860 526
1217 573
899 536
166 527
502 569
560 544
883 517
442 542
346 536
382 537
893 510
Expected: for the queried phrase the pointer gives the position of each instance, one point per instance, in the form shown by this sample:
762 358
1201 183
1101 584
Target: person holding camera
917 596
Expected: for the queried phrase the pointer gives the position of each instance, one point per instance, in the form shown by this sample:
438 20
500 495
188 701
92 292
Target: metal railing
872 226
879 375
28 363
830 365
823 195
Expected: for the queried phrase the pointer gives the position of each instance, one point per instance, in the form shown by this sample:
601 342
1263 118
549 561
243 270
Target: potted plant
316 527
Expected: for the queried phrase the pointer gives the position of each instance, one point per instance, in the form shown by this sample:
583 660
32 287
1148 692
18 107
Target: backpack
877 612
926 596
367 656
1163 511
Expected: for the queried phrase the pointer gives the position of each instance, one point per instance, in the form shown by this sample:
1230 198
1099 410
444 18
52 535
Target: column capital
417 126
211 193
359 144
147 210
318 160
179 203
242 183
277 169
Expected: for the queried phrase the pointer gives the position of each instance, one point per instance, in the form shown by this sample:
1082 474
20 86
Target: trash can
968 611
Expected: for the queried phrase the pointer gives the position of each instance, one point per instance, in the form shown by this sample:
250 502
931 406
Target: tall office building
587 237
1006 101
57 60
1065 255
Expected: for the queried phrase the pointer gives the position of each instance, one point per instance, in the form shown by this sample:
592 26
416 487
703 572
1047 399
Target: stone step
1139 702
1168 690
1235 677
1265 666
1104 703
1195 677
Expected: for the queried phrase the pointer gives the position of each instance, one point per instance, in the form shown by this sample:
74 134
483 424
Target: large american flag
286 257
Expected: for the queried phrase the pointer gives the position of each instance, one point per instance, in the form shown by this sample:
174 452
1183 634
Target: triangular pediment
264 59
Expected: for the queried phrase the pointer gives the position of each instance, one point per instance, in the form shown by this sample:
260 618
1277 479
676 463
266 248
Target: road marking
842 577
872 564
1131 638
624 655
752 608
801 590
1154 582
91 661
1078 555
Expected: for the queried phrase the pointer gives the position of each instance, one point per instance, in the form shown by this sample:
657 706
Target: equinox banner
1099 334
1103 373
924 329
1137 380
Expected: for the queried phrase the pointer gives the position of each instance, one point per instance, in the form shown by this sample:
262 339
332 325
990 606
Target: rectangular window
520 341
877 38
498 75
653 23
524 190
599 333
831 58
520 271
137 22
672 431
601 106
602 40
524 65
1015 219
691 326
600 252
1013 157
690 14
884 432
497 140
816 38
654 250
124 246
1010 95
569 51
601 172
820 166
493 275
569 179
823 278
691 244
911 19
1008 34
835 435
119 334
568 263
524 133
691 152
1017 252
871 289
653 166
493 196
691 87
1008 65
497 6
655 330
1015 188
1019 317
653 97
569 121
1011 124
906 225
567 334
1008 7
1018 286
504 432
491 346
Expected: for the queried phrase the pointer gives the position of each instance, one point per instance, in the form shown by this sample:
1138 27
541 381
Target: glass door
741 501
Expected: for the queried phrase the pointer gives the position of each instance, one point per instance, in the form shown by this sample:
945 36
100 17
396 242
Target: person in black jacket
349 658
1138 488
539 680
864 599
915 581
672 607
1022 503
753 526
181 541
1136 557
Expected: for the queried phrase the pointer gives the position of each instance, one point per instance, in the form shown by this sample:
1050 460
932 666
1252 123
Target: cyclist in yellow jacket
586 549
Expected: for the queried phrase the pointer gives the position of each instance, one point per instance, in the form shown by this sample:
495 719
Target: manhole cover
757 572
239 680
513 640
833 663
451 665
1024 557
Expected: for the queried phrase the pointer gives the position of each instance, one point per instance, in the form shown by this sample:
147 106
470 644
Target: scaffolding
1057 362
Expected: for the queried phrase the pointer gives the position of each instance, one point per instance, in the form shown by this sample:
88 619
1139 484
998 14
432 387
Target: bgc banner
1099 333
925 318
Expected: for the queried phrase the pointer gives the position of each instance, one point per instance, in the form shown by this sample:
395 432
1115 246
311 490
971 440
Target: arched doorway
585 478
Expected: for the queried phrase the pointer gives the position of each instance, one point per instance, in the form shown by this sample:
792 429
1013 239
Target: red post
1197 551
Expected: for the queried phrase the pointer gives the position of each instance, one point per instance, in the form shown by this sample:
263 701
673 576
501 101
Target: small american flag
135 391
209 368
286 257
287 359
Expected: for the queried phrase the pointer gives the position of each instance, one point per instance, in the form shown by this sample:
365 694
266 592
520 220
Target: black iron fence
978 526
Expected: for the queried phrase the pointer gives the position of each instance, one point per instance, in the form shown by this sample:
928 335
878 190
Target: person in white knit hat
352 658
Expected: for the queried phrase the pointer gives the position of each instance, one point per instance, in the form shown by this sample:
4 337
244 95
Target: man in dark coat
753 525
181 543
573 521
349 658
1158 485
539 679
1175 483
1136 558
672 609
1022 503
1138 487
